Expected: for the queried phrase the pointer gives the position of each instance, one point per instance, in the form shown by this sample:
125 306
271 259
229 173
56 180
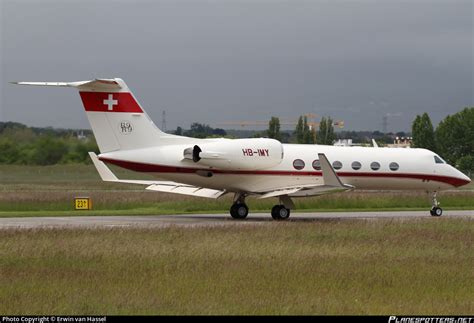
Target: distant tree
19 134
78 151
325 134
219 132
20 144
455 136
200 130
49 151
466 164
259 134
11 125
423 133
179 131
285 136
274 128
9 152
300 130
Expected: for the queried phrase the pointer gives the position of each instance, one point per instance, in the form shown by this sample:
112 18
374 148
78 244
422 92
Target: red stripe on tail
109 102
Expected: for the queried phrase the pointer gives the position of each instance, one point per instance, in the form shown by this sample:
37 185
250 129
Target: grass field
411 266
49 191
329 267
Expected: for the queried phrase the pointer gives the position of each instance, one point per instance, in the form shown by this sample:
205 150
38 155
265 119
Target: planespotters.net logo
396 319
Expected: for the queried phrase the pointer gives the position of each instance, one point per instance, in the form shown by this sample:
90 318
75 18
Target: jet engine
239 154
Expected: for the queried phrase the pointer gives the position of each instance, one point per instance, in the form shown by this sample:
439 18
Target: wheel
239 211
279 212
436 211
275 211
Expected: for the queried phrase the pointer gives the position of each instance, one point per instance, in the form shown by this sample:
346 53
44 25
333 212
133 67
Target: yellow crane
311 117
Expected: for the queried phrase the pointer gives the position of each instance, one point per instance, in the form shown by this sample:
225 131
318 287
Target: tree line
453 138
304 132
23 145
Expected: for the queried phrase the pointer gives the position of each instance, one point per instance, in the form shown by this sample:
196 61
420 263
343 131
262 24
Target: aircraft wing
160 186
332 184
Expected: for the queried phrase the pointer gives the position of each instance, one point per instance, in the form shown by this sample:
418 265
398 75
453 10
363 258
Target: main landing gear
239 210
280 212
435 209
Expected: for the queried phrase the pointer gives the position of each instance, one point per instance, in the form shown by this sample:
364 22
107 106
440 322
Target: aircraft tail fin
117 119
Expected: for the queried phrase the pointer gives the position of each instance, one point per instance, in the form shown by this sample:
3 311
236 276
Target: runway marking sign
82 203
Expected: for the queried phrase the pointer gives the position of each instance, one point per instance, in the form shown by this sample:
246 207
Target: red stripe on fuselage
110 102
152 168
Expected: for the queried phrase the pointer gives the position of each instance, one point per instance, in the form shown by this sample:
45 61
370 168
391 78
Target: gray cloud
212 61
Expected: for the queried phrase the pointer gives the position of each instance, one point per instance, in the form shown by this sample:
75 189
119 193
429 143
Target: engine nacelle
243 154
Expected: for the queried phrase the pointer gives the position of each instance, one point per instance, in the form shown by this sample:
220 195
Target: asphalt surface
193 220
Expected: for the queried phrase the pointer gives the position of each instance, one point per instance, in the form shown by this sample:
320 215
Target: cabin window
393 166
337 165
375 166
298 164
438 160
356 165
317 164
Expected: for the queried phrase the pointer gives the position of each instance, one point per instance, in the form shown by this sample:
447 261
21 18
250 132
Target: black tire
275 211
279 212
436 211
239 211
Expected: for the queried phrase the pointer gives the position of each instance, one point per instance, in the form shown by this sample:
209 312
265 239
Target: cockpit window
438 160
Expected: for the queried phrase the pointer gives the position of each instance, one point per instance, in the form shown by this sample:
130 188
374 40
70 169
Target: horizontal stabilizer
97 84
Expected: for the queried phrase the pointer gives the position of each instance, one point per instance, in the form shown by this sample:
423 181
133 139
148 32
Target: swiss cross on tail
110 102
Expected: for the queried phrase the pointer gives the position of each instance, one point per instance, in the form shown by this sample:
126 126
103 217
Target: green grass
50 190
421 266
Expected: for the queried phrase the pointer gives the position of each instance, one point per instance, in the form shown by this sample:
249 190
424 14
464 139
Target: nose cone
461 179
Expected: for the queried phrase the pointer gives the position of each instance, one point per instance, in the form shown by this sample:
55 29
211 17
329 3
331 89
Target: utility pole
385 123
163 121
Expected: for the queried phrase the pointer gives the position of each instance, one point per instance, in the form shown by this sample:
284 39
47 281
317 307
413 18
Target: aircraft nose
462 179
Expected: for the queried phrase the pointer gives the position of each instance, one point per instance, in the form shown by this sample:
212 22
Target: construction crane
311 121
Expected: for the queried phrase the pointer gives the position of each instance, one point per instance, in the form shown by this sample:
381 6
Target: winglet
104 172
374 143
329 175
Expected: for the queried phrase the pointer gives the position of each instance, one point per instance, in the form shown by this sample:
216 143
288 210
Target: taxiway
191 220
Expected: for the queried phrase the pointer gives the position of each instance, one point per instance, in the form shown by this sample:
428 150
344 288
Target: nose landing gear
435 209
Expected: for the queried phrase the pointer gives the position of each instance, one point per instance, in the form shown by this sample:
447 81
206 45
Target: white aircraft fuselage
417 168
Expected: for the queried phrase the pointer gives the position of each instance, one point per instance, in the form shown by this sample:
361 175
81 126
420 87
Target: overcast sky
215 61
